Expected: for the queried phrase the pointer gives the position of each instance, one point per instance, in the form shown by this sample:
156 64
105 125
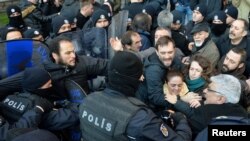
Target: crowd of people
178 65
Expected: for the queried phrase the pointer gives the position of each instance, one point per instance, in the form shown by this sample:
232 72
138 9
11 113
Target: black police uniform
111 116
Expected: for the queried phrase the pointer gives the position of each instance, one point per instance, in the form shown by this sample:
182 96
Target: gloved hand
177 117
2 120
166 117
43 103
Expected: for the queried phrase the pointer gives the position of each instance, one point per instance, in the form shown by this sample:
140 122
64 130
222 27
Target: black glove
43 103
177 117
2 120
166 117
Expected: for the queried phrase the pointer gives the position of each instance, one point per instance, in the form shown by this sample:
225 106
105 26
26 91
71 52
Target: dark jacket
151 89
224 45
36 19
134 8
86 68
181 40
200 117
81 20
61 118
238 73
145 125
145 40
29 119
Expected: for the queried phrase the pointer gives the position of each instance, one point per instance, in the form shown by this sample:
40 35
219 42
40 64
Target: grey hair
228 86
165 18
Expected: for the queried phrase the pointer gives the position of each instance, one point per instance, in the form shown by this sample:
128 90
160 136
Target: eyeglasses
213 91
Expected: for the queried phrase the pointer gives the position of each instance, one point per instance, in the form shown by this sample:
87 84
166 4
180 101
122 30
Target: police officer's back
114 115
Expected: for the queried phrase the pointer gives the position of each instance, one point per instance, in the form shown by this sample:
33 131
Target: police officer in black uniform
25 110
115 115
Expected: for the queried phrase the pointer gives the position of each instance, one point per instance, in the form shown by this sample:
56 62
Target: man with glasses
222 93
234 63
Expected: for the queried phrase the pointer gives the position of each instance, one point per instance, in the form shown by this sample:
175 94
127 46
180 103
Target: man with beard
155 68
234 63
237 37
15 19
67 65
203 45
218 26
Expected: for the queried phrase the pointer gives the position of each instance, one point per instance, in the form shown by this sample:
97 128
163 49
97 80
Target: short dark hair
54 45
8 30
165 40
246 24
241 52
141 21
164 28
173 73
127 37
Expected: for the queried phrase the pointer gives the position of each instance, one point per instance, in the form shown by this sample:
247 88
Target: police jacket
125 118
150 90
85 68
61 118
29 119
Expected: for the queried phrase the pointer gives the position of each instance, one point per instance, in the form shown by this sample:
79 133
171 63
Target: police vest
105 117
14 106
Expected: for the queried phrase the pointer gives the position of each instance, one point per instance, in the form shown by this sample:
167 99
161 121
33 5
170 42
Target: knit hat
31 33
200 27
69 15
151 8
227 86
57 23
220 15
124 72
12 9
106 7
232 11
177 17
99 14
34 78
30 134
202 9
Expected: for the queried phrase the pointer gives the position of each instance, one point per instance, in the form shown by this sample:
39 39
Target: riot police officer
114 114
24 110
